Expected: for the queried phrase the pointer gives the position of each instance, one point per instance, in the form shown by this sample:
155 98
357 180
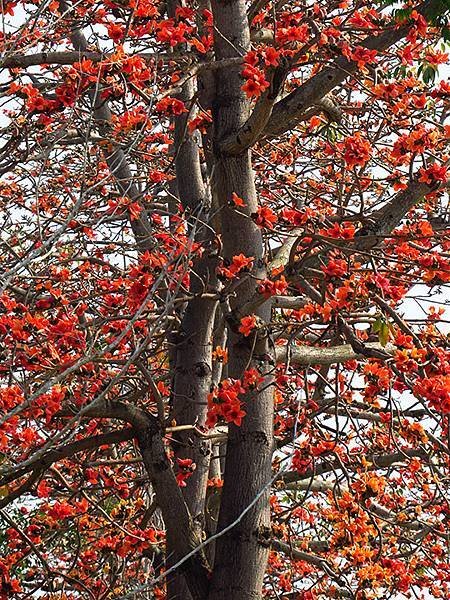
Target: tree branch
384 220
308 355
65 451
70 57
115 158
249 133
312 559
179 523
289 111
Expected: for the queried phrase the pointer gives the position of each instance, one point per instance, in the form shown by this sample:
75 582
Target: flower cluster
416 142
255 81
360 55
238 264
186 467
436 390
356 150
253 73
433 175
268 288
224 402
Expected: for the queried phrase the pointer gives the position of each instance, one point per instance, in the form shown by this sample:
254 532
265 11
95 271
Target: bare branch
378 461
308 355
312 559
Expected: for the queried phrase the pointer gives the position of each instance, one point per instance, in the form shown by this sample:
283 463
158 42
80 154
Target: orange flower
220 354
433 174
357 150
237 200
248 324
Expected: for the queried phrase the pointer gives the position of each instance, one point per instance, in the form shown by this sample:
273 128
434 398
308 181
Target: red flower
253 88
171 106
265 217
271 56
237 200
357 150
252 378
238 264
186 468
335 268
171 33
233 414
248 324
345 231
298 33
115 31
256 82
436 57
433 174
273 288
224 402
437 391
221 354
362 56
200 122
301 461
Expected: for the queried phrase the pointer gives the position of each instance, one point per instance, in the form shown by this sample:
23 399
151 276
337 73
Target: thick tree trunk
182 535
192 354
241 555
191 386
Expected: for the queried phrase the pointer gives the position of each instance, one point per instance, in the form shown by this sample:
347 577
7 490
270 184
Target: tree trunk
241 555
193 344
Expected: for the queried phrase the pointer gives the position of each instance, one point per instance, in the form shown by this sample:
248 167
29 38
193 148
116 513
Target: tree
224 374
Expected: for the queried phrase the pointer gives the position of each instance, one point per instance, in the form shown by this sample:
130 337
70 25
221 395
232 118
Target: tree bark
241 556
193 343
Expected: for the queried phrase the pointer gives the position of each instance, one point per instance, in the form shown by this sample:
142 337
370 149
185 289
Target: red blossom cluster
270 288
436 390
224 402
356 150
362 56
237 265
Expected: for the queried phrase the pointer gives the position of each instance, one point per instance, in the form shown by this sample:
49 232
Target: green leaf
429 73
331 134
376 326
401 14
383 334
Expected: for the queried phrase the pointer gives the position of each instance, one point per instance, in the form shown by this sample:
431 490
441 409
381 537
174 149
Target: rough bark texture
182 535
193 344
240 557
